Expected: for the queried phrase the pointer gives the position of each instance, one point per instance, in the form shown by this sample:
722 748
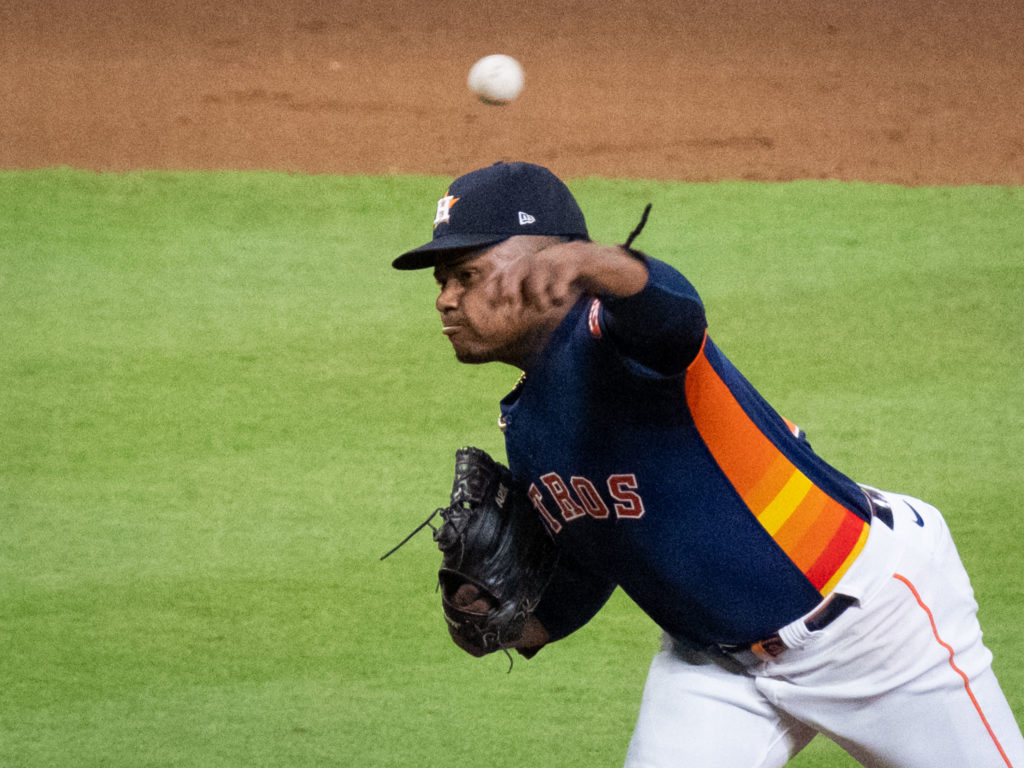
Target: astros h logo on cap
444 207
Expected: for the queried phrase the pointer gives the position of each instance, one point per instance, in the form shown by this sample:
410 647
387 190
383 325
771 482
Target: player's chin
471 358
477 349
466 353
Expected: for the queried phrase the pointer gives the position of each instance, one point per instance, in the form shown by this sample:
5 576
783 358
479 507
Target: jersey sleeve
661 327
571 600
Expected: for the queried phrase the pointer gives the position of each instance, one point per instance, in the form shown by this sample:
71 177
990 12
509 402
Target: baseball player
794 601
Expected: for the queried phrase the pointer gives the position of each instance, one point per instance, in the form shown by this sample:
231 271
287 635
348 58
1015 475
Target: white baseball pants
900 680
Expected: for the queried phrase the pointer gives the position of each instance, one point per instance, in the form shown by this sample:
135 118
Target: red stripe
839 546
593 318
952 663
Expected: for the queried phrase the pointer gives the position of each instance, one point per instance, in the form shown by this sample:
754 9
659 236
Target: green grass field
219 406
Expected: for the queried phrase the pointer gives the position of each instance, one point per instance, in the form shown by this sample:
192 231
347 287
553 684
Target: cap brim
444 249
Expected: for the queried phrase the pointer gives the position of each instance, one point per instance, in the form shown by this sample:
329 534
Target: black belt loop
829 612
880 507
832 608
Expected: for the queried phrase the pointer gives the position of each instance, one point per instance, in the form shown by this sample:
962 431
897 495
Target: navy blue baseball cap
493 204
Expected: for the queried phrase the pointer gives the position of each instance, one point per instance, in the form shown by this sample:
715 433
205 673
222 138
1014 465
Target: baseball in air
496 79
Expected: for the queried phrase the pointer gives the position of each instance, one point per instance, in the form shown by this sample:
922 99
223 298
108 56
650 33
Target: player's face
481 331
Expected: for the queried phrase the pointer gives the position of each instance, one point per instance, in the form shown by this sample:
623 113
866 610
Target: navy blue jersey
660 469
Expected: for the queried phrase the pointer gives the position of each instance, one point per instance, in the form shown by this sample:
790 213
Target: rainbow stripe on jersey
820 535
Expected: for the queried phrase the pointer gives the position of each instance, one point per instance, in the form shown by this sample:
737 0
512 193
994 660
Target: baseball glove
497 556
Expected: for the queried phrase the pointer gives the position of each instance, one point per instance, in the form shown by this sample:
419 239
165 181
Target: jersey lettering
580 498
570 508
628 502
589 497
537 497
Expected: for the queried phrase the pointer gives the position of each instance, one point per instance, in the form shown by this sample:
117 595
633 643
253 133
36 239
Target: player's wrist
614 270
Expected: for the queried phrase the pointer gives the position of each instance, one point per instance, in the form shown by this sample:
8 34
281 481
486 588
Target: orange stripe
768 486
819 537
955 668
797 536
737 444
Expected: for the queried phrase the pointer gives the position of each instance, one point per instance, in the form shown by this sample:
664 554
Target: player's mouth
450 325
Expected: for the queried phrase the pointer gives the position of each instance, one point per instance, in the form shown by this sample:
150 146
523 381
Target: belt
831 609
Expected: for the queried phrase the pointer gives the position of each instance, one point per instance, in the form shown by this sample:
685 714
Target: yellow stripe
781 507
831 583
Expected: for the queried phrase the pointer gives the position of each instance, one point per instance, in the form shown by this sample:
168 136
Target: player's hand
536 280
469 598
539 279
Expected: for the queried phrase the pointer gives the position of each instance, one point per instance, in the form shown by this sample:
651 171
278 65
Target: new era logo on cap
492 204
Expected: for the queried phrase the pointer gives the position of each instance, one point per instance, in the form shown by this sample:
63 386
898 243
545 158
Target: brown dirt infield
912 91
